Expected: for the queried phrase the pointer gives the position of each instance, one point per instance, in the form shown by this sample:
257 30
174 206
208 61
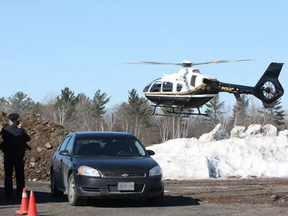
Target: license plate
126 186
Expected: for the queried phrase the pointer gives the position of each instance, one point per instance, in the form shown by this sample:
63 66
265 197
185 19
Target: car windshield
89 146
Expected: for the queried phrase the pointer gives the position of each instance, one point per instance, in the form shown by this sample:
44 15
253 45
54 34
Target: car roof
102 133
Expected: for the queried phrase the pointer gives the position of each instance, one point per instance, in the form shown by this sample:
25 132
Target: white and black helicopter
189 88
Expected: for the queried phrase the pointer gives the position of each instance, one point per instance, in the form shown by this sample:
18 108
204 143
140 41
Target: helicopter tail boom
269 89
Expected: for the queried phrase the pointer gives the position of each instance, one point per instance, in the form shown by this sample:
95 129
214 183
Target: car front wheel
73 197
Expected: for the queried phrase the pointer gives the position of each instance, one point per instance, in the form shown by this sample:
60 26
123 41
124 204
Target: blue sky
48 45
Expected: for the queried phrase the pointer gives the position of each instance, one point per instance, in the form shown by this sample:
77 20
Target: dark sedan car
103 165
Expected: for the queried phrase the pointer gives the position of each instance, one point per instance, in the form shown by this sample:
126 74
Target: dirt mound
45 138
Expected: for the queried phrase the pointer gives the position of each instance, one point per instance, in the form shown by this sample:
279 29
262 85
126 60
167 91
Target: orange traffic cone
24 203
32 210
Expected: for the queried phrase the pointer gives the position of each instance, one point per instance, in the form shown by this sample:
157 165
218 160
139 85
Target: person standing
13 147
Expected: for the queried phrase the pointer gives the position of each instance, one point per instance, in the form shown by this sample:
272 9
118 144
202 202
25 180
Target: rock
238 132
269 130
254 130
48 146
275 197
216 134
282 200
39 149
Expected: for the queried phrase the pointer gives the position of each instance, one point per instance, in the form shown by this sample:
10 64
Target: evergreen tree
35 108
278 115
64 106
99 101
134 115
214 109
275 115
137 106
67 96
19 103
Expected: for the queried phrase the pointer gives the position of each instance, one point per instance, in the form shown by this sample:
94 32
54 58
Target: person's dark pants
11 161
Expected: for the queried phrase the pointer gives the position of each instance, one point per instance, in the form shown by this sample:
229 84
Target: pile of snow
257 152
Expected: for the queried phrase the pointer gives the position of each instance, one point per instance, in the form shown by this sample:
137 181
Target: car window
108 146
69 146
139 147
64 143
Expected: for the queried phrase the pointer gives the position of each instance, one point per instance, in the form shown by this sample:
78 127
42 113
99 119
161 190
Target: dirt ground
250 191
259 197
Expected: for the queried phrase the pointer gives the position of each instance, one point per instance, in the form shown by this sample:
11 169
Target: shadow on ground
40 197
124 203
45 197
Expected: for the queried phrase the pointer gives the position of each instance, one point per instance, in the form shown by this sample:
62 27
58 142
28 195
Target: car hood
121 164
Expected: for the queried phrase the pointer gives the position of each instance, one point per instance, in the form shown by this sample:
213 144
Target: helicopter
188 89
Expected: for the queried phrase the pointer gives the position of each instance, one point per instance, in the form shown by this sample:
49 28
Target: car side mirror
151 152
64 153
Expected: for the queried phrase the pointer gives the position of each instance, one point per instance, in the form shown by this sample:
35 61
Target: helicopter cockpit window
193 79
167 87
156 87
148 86
179 87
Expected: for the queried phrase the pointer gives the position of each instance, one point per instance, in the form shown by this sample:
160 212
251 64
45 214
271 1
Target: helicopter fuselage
185 89
190 89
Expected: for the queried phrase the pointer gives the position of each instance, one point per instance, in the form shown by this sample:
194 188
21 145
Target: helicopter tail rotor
269 89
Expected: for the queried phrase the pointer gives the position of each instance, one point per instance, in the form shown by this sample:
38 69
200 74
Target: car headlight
155 171
88 171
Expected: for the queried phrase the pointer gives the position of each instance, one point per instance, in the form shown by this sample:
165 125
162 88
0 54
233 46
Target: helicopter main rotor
188 63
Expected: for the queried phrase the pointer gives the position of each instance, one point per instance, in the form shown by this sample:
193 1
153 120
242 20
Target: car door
57 163
67 161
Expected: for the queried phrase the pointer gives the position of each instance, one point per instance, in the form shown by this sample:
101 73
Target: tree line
81 113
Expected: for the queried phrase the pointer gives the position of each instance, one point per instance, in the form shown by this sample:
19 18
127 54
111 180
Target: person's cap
13 116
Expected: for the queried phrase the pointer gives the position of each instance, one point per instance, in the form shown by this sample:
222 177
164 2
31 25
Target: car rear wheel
157 200
54 191
73 197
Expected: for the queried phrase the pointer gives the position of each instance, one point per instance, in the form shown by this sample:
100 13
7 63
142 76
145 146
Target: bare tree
187 125
164 126
122 118
84 118
3 104
240 111
48 108
64 107
254 113
224 118
110 118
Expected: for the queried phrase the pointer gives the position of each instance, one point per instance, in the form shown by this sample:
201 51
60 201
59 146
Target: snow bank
256 152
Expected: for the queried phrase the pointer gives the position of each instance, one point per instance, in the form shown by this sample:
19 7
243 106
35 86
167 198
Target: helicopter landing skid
176 111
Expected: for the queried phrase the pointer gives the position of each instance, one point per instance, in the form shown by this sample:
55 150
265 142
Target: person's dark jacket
14 140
